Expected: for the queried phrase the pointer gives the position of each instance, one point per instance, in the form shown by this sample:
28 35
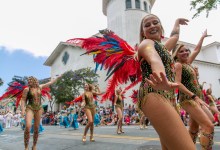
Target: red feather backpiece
79 99
114 55
134 96
16 88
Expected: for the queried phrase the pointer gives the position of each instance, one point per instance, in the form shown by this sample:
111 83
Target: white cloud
38 26
169 12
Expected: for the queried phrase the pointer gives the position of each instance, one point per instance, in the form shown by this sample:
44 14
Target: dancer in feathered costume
29 95
211 101
88 104
203 96
190 93
156 92
118 103
120 59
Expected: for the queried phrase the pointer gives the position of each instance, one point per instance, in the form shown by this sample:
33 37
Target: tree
203 5
68 87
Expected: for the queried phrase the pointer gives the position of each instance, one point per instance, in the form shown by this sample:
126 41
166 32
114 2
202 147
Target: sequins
146 71
190 81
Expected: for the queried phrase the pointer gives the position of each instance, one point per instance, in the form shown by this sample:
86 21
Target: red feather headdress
16 88
114 55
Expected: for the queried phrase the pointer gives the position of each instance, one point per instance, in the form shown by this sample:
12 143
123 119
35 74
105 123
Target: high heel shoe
118 131
92 139
122 131
84 139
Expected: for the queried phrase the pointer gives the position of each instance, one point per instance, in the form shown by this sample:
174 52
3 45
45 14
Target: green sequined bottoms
146 89
119 106
190 102
91 108
34 107
144 92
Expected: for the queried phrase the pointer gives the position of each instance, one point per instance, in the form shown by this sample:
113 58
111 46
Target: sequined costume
189 80
119 103
211 102
34 105
146 71
89 104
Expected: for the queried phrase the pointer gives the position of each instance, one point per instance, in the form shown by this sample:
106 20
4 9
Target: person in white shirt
8 119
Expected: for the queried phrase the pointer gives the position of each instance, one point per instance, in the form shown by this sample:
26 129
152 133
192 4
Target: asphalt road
56 138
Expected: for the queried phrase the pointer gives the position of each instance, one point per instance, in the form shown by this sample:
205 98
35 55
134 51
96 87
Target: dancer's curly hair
34 82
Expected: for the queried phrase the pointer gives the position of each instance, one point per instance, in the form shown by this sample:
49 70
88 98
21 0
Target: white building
124 17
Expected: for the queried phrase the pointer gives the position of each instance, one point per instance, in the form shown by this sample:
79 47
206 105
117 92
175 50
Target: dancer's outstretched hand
205 34
183 21
201 102
161 82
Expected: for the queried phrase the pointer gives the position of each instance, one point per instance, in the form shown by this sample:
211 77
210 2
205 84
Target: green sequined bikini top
89 102
119 101
190 81
168 63
30 98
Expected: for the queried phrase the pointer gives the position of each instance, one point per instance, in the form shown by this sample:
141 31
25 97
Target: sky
20 63
31 29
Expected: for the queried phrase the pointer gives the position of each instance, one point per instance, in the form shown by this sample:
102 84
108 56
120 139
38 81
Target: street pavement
56 138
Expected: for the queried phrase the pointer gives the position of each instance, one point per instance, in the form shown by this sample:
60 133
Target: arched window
137 4
128 4
65 58
145 6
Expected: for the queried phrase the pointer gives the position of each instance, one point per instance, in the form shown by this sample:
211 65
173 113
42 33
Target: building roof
194 45
211 44
62 45
56 53
105 3
207 63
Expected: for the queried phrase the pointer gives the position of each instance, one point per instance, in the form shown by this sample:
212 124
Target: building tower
124 17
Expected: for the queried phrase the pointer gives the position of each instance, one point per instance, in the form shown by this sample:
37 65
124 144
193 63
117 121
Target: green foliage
203 5
67 88
1 82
